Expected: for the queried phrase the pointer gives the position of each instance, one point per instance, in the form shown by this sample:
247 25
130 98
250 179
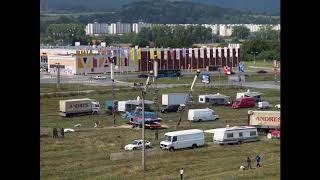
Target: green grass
259 63
85 154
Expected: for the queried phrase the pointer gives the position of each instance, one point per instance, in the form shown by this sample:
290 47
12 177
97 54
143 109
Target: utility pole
143 141
113 95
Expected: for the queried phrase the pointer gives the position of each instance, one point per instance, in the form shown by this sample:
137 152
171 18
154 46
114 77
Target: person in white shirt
181 173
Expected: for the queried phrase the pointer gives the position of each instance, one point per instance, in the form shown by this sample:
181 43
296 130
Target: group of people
258 160
55 133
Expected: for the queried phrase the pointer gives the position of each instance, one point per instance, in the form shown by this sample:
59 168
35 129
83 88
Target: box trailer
214 99
197 115
232 135
174 98
78 106
264 119
182 139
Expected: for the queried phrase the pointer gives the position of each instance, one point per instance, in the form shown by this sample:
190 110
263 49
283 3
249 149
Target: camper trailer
236 134
197 115
182 139
130 105
256 95
214 99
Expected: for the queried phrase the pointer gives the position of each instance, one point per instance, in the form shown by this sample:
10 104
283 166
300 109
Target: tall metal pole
58 76
113 96
143 141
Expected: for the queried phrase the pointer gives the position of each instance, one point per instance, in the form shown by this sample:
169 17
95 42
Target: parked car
277 106
137 144
98 77
170 108
142 76
262 72
263 105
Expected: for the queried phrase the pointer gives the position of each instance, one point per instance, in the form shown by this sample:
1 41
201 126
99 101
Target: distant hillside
176 12
256 6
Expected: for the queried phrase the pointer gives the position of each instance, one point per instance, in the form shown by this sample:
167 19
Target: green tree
240 32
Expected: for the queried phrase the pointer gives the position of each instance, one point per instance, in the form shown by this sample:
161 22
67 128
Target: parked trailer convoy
264 119
78 106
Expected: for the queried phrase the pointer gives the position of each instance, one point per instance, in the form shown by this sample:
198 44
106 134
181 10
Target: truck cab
245 102
95 107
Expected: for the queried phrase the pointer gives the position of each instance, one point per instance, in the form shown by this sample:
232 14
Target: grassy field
85 154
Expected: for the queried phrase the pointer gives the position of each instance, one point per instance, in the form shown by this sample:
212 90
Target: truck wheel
134 148
171 149
194 146
199 120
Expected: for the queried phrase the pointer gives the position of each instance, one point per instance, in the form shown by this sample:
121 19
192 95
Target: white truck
78 106
174 98
197 115
182 139
232 135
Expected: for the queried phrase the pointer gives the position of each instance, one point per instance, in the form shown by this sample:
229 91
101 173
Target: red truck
245 102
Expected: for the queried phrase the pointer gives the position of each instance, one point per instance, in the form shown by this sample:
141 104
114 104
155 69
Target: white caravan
256 95
236 134
182 139
197 115
214 99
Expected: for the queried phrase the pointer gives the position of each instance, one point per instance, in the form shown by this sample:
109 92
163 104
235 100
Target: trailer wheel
194 146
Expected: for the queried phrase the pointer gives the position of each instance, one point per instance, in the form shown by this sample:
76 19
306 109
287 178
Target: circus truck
264 120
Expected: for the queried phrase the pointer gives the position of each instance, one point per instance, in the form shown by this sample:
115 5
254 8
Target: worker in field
249 163
258 159
156 134
54 133
62 132
181 173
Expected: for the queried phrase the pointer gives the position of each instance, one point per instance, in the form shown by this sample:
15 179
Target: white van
197 115
182 139
236 134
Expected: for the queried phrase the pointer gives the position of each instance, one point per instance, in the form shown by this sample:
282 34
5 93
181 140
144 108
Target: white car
277 106
137 144
99 77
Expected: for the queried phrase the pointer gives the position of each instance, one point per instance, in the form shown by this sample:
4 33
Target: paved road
87 80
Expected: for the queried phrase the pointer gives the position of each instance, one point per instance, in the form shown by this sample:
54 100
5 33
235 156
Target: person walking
258 159
249 163
181 173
